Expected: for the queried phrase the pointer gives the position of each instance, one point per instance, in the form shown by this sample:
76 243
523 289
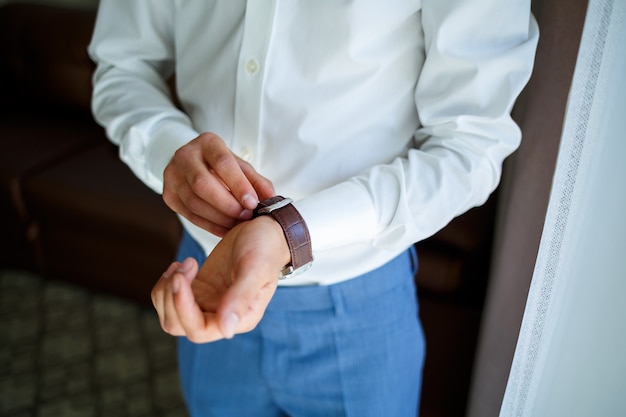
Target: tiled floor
66 352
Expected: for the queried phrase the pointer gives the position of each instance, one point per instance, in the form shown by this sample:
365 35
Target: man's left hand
230 292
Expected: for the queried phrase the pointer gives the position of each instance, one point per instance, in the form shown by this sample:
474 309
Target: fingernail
170 269
230 323
245 215
175 284
249 202
184 266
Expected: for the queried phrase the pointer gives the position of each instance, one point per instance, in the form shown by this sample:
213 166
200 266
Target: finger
207 185
227 168
188 268
202 221
160 282
190 172
205 209
199 326
171 322
217 230
186 271
157 292
194 191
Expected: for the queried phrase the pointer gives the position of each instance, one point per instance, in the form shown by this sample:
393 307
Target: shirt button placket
252 67
249 90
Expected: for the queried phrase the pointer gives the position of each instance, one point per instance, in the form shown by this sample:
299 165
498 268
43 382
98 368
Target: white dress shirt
383 119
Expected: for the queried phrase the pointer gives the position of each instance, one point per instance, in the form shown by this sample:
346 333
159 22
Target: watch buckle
289 272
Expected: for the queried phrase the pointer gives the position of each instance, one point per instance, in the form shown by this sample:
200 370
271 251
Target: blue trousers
351 349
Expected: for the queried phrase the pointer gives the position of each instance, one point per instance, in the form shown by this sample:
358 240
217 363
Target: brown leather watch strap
295 229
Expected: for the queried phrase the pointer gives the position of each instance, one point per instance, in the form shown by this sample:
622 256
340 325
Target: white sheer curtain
570 358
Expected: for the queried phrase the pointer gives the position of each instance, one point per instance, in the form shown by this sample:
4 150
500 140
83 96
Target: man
381 120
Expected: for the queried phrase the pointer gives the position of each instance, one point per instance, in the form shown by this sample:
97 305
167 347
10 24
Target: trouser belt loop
338 302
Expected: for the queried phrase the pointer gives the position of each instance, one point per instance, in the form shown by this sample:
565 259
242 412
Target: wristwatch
295 230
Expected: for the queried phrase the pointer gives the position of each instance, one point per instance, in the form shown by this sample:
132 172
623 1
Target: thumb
244 303
228 324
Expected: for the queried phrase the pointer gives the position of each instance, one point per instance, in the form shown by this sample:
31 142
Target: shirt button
252 66
246 154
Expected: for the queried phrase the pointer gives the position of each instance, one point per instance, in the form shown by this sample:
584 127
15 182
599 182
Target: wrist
295 232
277 237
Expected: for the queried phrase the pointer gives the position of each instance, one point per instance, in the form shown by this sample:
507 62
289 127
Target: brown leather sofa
70 210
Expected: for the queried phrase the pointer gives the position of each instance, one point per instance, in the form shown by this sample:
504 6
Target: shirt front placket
250 75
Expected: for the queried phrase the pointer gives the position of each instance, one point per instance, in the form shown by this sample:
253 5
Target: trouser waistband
399 271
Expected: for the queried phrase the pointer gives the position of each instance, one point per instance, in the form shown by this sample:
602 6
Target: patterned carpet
66 352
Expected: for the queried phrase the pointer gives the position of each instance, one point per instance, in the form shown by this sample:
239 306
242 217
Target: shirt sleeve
132 47
478 57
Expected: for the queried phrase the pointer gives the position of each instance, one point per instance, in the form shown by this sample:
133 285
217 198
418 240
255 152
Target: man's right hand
212 187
